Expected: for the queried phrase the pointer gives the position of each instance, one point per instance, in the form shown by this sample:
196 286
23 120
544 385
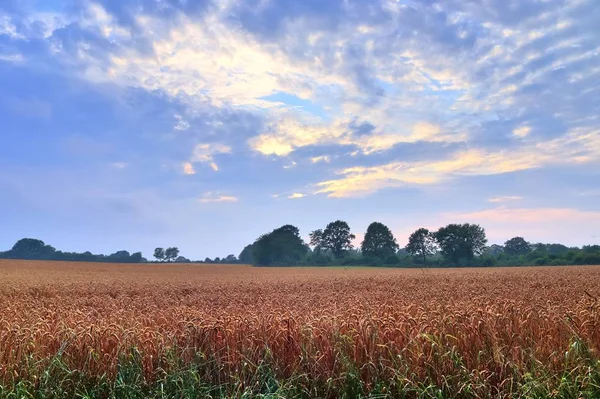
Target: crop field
106 330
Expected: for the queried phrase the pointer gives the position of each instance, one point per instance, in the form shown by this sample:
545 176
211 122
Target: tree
461 242
171 254
29 248
517 246
495 250
182 259
159 254
337 238
282 246
245 256
316 240
421 244
208 260
230 259
379 241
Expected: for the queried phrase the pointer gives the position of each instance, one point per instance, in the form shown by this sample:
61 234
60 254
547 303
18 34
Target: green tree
337 238
230 259
159 254
171 254
379 241
461 242
517 246
282 246
29 248
316 240
245 256
421 244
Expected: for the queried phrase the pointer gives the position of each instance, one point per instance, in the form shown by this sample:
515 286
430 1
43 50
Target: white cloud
181 123
505 199
321 158
204 153
522 131
211 197
296 195
188 168
579 146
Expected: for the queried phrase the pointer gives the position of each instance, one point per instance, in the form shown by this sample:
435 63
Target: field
105 330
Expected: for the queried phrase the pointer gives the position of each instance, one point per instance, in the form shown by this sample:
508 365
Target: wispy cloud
296 196
217 197
505 199
204 153
321 158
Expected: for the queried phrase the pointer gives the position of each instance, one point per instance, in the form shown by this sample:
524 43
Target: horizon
135 125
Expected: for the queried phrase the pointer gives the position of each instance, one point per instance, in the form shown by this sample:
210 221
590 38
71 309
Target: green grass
443 374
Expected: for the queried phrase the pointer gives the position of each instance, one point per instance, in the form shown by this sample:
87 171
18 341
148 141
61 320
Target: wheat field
167 330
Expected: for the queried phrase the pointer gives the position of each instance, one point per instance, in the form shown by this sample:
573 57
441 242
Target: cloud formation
359 100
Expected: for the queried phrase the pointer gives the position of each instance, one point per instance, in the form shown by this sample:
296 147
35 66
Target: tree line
451 245
34 249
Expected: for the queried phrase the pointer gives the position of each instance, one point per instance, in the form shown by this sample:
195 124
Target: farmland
110 330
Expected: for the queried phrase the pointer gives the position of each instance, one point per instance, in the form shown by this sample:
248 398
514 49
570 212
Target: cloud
321 158
204 153
181 123
296 195
119 165
188 168
211 197
522 131
579 146
504 199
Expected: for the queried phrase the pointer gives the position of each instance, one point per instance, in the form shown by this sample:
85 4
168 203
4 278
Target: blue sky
135 124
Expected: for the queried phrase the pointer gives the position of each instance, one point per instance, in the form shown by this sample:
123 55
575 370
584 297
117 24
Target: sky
202 124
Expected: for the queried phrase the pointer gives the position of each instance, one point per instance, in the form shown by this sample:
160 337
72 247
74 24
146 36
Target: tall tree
29 248
171 254
316 240
246 255
461 241
421 244
337 238
159 254
379 241
517 246
282 246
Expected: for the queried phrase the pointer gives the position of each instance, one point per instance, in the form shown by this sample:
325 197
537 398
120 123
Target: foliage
421 244
282 246
34 249
160 254
379 241
245 256
460 243
517 246
336 238
171 254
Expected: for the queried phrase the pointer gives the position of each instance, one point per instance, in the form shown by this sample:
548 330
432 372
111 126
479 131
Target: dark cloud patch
268 19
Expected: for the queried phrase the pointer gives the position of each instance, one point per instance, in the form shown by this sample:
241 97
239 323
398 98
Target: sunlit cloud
211 197
188 168
321 158
296 196
204 153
